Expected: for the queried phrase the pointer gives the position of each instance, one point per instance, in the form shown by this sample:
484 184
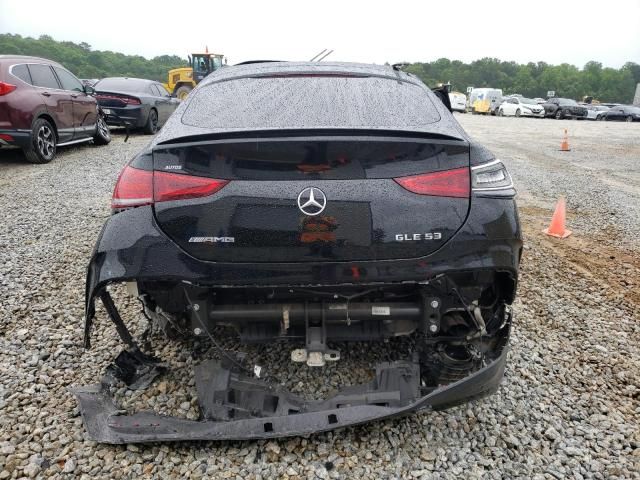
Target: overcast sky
366 31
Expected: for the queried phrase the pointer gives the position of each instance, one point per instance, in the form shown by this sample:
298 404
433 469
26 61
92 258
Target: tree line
84 62
531 79
534 79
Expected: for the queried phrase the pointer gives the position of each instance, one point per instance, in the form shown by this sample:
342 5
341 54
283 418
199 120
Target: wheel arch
46 116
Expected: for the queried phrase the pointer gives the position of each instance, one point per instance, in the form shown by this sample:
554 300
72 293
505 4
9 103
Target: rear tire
43 143
102 136
152 123
500 113
629 118
559 115
518 113
183 91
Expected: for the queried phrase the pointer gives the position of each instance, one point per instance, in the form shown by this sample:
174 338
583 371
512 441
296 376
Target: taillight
490 177
6 88
446 183
136 187
175 186
122 98
131 100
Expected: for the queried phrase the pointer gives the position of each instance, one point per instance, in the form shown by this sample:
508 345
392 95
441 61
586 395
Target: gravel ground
568 408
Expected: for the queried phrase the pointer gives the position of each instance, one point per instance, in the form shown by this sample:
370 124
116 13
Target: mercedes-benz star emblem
312 201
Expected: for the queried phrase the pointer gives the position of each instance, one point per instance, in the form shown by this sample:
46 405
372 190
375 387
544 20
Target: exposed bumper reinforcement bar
239 407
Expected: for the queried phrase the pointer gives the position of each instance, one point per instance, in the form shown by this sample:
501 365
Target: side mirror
89 90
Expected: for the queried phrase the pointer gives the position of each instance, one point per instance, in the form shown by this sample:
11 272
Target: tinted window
69 82
567 102
22 72
311 102
42 76
162 90
122 85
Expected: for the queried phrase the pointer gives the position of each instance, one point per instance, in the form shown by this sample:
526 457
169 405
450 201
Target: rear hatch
374 197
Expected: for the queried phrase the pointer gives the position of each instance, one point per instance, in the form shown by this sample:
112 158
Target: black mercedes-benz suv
316 202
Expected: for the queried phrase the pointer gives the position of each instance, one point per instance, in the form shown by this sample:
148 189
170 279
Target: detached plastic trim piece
106 423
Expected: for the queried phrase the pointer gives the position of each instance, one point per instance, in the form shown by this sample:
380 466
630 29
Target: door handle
46 94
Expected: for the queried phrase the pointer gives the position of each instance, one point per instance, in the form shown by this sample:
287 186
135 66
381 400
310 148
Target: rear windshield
302 102
122 84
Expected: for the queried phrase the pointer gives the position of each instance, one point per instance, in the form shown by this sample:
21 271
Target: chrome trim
74 141
493 189
483 189
54 74
484 165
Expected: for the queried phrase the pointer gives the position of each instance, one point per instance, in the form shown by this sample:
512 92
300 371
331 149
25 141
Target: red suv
44 106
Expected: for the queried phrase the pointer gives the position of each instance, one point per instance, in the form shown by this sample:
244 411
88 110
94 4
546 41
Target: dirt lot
569 406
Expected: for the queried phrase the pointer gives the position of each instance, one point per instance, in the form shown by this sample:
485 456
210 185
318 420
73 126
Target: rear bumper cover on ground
394 392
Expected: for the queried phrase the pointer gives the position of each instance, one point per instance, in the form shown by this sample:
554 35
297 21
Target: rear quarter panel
20 107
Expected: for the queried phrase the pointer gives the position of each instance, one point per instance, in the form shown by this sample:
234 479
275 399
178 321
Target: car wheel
43 143
183 91
103 135
518 113
629 118
500 112
559 115
152 123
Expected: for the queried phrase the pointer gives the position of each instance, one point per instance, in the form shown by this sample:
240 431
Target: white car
596 112
458 102
520 107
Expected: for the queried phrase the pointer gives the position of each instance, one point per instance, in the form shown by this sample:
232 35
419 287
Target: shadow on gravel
11 157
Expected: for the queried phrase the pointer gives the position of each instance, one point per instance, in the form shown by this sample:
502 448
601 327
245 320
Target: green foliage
531 80
87 63
534 79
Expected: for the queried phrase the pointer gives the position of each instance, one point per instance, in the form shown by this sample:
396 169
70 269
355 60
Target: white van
458 102
485 100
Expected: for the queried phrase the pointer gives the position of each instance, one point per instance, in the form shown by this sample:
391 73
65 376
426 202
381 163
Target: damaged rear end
317 237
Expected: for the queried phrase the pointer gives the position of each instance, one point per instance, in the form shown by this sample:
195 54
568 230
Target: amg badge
212 240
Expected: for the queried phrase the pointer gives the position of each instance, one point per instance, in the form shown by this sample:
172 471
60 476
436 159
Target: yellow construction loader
184 79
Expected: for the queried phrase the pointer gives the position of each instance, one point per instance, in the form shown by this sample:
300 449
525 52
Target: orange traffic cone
564 146
557 225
